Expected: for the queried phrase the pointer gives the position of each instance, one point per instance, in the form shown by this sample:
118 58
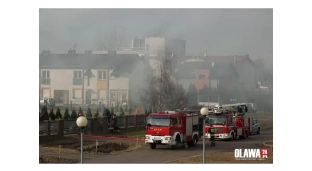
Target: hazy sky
216 31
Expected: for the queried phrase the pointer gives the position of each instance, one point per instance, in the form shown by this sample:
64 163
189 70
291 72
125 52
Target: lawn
128 134
72 144
49 159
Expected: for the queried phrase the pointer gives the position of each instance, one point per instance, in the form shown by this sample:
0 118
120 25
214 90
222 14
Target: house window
77 80
124 97
77 94
45 80
201 77
102 75
113 96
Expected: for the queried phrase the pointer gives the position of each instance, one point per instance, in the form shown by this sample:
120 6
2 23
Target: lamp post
81 122
204 112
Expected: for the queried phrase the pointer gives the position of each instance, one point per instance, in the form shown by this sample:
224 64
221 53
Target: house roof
234 59
121 64
187 69
217 69
220 69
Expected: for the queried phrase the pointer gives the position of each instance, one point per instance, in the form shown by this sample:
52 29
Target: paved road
164 154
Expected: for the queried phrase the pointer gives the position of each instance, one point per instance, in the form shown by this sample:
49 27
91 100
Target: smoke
217 31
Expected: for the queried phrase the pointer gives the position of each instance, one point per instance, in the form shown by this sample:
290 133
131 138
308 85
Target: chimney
112 52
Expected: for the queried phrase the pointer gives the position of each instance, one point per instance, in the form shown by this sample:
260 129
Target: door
173 125
88 97
254 125
66 97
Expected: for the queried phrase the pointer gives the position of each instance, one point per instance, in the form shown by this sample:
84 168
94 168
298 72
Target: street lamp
81 122
204 111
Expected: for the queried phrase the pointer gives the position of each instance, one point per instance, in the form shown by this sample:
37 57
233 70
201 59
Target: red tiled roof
234 59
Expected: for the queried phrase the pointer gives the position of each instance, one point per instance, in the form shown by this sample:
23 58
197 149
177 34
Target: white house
85 78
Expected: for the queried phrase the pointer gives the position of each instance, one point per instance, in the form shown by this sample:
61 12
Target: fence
128 110
51 129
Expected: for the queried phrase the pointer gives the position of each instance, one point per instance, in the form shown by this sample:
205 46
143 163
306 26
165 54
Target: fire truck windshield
158 121
216 120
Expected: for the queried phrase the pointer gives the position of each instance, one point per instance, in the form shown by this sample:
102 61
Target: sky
213 31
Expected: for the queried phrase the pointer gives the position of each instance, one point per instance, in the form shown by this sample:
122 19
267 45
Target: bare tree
162 92
111 40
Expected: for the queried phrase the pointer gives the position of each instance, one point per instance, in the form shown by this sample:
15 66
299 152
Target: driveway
164 154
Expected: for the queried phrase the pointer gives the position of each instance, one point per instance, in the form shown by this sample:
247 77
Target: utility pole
82 87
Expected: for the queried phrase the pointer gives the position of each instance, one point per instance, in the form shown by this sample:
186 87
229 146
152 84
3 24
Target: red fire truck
229 121
174 128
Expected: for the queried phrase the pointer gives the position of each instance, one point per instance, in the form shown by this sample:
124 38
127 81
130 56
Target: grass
221 158
49 159
130 134
72 145
269 142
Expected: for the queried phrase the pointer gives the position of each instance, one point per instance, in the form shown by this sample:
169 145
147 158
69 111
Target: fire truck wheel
152 145
232 137
258 132
195 140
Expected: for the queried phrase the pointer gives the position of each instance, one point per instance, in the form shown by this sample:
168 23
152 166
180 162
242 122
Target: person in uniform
212 135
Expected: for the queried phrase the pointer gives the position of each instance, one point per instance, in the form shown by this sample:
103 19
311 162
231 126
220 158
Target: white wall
93 84
61 79
118 83
155 43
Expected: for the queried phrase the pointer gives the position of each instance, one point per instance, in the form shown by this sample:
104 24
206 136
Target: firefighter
212 135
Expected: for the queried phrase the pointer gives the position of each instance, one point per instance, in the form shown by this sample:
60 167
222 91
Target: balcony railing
45 81
77 81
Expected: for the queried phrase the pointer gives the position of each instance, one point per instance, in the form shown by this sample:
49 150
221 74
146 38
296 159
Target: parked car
255 126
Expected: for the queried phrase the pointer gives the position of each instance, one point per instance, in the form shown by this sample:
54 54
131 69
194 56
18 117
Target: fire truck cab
173 128
229 121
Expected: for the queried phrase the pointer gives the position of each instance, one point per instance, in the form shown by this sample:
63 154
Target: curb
267 145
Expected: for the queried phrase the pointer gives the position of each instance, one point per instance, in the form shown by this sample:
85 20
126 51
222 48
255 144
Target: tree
51 115
58 114
192 95
66 114
44 113
97 113
89 114
80 111
111 40
162 92
73 114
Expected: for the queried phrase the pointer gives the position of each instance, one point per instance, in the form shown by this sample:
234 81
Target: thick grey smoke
214 31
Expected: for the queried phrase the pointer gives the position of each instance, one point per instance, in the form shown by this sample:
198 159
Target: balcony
77 81
45 81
